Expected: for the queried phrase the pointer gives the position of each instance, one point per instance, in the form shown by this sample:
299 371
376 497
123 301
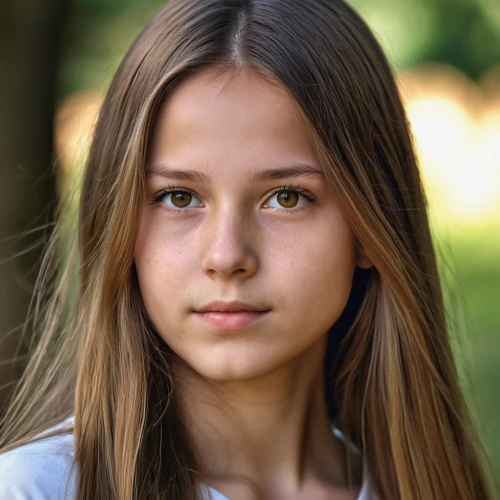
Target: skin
253 396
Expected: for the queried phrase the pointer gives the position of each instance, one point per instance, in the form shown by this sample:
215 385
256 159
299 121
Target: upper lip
232 306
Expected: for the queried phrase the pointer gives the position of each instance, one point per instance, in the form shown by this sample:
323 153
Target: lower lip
231 320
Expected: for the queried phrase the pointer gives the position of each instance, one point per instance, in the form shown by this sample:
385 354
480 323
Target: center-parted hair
392 384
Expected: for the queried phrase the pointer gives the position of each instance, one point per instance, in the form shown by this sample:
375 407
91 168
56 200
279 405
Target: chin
241 359
229 372
232 367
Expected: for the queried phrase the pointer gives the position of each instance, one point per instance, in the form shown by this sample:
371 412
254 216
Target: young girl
251 308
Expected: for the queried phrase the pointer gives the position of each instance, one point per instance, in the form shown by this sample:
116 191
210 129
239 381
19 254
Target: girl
256 312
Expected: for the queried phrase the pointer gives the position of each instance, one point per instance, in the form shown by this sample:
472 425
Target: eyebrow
271 174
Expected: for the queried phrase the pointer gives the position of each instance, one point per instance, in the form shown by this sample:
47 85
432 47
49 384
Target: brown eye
288 199
181 199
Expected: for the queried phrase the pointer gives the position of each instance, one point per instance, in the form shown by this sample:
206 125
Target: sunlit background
446 56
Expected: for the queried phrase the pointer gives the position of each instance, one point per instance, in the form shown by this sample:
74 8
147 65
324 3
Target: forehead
230 116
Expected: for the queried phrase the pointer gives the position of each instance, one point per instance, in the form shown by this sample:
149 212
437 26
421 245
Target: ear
363 261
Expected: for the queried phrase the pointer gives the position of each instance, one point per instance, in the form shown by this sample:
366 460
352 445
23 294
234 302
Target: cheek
163 262
162 247
314 272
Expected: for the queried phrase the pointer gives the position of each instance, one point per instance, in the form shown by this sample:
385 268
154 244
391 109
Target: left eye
287 198
178 199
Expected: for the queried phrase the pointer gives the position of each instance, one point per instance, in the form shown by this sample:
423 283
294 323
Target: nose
228 247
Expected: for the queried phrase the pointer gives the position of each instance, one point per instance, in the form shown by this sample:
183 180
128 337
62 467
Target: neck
272 431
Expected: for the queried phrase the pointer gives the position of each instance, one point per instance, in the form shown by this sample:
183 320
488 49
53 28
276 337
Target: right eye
178 199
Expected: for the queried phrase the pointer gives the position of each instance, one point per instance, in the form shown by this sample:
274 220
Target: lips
232 315
232 306
221 320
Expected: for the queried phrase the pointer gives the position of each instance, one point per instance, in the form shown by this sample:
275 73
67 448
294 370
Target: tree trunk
30 31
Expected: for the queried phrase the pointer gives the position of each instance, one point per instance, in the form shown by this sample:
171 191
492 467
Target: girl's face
237 209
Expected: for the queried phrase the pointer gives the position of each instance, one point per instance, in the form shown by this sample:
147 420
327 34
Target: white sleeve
41 470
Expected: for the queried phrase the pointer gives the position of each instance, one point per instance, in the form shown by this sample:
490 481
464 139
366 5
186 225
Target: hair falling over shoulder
392 383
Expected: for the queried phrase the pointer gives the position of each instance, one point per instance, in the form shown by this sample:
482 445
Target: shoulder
41 469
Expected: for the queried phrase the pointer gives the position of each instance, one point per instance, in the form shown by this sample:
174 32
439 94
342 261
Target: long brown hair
392 384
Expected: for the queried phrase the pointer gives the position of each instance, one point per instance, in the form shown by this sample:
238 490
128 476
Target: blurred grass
470 261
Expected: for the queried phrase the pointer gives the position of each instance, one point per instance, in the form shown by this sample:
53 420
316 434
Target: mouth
232 306
231 320
231 315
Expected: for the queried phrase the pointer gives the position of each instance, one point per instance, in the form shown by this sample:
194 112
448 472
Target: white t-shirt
42 470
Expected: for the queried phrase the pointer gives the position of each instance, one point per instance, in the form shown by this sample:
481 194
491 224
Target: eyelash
297 189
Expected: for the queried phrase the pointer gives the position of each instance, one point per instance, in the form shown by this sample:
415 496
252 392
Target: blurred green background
446 55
